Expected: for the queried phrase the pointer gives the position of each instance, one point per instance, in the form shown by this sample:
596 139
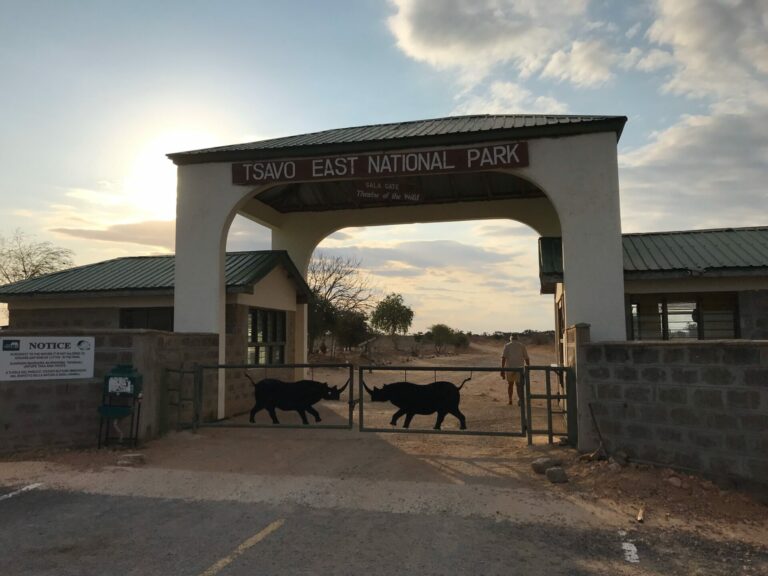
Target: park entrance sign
382 165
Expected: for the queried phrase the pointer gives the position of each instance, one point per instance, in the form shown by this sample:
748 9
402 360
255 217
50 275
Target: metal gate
558 395
513 428
560 404
206 376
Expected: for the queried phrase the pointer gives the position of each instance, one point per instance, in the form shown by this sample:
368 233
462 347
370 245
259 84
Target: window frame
266 336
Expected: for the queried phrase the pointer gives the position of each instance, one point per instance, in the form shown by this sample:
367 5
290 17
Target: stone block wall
700 406
63 413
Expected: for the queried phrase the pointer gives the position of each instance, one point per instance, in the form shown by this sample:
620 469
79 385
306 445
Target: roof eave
609 124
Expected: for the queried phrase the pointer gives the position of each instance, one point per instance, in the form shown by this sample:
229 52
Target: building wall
753 312
698 405
28 319
63 413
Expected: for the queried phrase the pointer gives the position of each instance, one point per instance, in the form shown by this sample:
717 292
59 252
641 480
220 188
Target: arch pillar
204 212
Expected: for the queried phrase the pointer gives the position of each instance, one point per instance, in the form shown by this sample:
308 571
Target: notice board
46 357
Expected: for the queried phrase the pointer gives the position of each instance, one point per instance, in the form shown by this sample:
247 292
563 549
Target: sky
95 93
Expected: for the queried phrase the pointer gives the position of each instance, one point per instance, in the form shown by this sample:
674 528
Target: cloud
705 171
509 98
157 233
474 36
709 169
422 255
721 48
585 64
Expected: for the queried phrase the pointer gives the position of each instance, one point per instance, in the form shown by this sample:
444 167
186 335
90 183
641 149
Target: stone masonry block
717 376
606 391
653 375
674 355
594 354
756 377
645 355
121 340
600 408
638 393
638 431
754 422
623 411
611 428
616 354
672 394
704 439
685 376
721 421
626 373
653 413
707 398
669 434
704 355
684 417
600 373
741 356
736 442
743 399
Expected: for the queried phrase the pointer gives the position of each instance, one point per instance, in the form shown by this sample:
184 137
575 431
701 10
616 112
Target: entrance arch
557 174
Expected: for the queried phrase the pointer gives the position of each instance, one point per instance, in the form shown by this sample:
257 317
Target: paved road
53 532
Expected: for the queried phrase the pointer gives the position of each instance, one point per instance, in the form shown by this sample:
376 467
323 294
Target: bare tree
338 281
21 257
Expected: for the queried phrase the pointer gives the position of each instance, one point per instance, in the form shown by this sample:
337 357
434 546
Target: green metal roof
152 273
434 132
721 252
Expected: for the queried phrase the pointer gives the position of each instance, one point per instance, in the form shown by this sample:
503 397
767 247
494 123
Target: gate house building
640 294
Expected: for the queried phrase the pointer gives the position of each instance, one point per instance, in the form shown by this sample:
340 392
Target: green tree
441 336
351 328
391 316
21 258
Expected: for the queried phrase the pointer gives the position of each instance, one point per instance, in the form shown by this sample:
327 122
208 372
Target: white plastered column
205 207
580 176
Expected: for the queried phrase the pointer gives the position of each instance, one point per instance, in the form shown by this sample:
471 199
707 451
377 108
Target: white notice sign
46 357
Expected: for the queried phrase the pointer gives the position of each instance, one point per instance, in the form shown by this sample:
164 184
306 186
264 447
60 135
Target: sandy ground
689 522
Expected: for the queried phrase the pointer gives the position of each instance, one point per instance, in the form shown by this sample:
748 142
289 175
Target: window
147 318
707 316
266 336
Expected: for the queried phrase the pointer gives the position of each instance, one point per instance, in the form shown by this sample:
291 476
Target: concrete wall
63 413
696 405
753 312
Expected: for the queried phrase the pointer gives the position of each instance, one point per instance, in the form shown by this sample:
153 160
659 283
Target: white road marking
20 491
630 550
252 541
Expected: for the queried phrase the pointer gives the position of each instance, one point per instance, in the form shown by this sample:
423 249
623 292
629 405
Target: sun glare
150 185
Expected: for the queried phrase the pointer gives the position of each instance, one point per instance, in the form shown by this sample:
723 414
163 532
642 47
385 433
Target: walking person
514 355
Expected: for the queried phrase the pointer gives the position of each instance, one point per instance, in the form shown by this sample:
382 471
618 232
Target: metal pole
548 380
529 423
361 425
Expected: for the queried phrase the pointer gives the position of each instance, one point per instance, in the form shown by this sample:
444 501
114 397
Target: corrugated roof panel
242 269
413 130
725 250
